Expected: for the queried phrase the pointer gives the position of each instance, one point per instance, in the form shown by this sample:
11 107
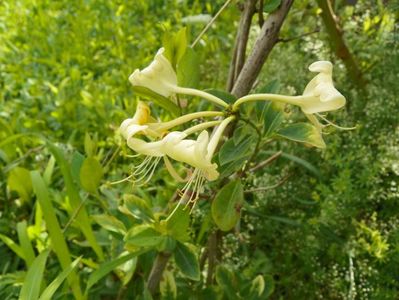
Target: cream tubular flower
196 153
142 122
319 95
161 78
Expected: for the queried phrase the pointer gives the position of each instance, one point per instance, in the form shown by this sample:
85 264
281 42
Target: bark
338 44
156 272
241 42
264 44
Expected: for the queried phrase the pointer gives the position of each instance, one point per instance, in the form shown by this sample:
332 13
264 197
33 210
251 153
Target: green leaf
25 243
13 246
180 45
91 174
89 145
157 98
136 207
56 283
224 278
167 286
269 286
110 223
257 286
48 172
188 69
303 133
307 165
230 151
227 97
76 165
177 224
227 204
187 261
33 280
273 116
57 238
108 267
271 5
81 218
19 181
143 236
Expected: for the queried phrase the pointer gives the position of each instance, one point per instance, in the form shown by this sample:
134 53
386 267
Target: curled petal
159 76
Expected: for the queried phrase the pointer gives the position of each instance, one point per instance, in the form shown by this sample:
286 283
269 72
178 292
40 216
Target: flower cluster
158 141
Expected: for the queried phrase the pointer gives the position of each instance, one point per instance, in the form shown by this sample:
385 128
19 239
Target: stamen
334 125
122 180
149 172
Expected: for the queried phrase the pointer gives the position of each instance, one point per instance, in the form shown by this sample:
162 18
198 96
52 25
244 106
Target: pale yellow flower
161 78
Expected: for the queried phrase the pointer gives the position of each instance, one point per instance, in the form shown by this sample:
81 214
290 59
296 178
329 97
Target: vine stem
210 23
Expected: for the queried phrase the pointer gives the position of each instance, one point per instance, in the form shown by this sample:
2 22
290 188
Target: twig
156 272
268 188
241 41
213 255
266 162
260 14
210 23
281 40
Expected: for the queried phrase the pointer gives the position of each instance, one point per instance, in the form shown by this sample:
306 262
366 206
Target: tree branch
156 272
338 44
281 40
240 46
262 48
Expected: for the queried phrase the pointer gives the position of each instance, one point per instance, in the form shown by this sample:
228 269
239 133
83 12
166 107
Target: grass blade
55 284
57 238
31 287
12 245
82 217
26 245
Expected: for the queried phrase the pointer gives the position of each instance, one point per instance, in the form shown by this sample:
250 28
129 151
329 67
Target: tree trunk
264 44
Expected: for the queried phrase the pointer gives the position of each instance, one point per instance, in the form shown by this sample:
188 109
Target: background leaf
227 204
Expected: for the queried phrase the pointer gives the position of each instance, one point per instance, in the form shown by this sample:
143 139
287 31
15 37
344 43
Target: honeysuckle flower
198 154
161 78
143 123
155 150
319 95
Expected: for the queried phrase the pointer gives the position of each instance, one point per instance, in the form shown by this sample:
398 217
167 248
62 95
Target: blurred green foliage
330 232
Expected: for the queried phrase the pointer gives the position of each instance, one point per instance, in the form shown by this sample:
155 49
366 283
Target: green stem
186 118
202 126
202 94
295 100
216 136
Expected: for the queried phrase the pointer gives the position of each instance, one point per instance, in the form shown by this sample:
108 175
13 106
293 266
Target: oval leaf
143 236
303 133
187 261
91 174
226 206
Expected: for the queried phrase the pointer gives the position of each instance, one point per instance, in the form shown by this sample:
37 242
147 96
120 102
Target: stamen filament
333 124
